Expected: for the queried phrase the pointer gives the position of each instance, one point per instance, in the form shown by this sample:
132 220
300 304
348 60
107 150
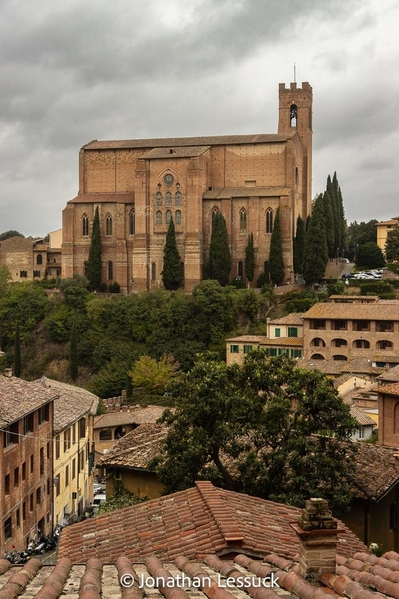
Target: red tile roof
194 522
19 397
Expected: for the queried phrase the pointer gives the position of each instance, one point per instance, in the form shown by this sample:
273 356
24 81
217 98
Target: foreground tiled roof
136 448
72 403
292 318
198 521
362 576
19 397
375 471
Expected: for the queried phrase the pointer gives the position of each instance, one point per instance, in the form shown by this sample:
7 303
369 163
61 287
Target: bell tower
295 115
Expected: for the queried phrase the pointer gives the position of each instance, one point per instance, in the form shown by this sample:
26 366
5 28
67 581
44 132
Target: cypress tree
329 224
316 252
73 354
276 263
17 353
250 258
219 251
172 276
94 269
299 245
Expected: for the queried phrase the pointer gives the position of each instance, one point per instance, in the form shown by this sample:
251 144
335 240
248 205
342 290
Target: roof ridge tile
211 496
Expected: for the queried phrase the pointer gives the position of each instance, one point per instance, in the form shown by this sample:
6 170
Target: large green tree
219 251
172 275
9 234
250 258
369 255
17 353
73 354
299 245
266 428
94 264
392 245
276 262
316 252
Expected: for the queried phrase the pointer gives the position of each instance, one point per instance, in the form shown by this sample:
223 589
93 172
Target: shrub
114 287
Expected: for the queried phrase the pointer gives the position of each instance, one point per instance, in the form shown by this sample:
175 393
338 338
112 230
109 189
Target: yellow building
73 451
383 229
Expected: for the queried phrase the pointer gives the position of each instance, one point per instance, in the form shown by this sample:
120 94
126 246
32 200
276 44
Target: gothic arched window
168 198
168 217
178 217
269 220
243 220
158 198
108 224
85 225
178 198
39 259
158 218
110 271
132 222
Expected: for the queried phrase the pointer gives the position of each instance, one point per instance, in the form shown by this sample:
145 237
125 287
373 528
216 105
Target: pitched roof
97 198
173 142
194 522
19 397
390 376
112 419
136 448
355 311
376 470
248 338
72 403
292 318
392 389
357 577
362 418
220 193
147 414
284 341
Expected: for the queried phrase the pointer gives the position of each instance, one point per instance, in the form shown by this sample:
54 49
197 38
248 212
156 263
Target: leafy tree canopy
369 255
392 245
219 251
153 376
9 234
265 428
172 275
316 251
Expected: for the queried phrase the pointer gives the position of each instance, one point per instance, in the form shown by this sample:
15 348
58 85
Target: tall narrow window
39 259
243 220
158 218
108 225
293 115
132 223
178 198
269 220
178 217
240 270
168 198
158 198
153 271
85 225
110 271
168 216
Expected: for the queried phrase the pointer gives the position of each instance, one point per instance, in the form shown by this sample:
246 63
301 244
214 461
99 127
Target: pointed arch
132 222
108 224
178 217
158 218
269 220
243 220
85 225
214 212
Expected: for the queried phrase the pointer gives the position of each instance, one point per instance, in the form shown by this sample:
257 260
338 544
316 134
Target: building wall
26 484
388 416
73 470
275 172
139 482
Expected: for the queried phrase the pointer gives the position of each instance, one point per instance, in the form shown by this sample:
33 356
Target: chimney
317 531
7 372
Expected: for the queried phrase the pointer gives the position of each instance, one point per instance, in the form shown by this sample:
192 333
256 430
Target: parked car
99 499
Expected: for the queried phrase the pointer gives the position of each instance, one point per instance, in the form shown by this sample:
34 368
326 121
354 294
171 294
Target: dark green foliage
299 245
369 255
380 288
392 245
316 253
172 275
250 258
121 498
219 251
17 353
359 234
329 225
267 429
73 354
94 265
276 262
114 287
25 304
9 234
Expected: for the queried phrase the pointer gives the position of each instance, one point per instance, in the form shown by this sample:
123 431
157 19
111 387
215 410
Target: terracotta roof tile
112 419
19 397
148 527
292 318
362 418
380 310
376 470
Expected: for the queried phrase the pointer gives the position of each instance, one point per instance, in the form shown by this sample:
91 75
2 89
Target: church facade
139 185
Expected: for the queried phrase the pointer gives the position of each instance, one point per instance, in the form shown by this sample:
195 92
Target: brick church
139 185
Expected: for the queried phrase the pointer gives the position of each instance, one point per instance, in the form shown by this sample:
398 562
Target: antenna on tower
294 73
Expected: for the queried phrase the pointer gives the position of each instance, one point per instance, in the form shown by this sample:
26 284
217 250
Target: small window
7 529
168 198
38 496
18 517
23 274
292 331
57 447
67 439
36 274
31 504
360 433
16 477
66 475
153 271
73 469
57 482
24 510
39 259
10 434
32 463
41 461
158 218
82 428
178 217
28 424
7 484
158 198
277 332
110 271
384 344
234 349
23 475
247 349
168 217
43 414
108 225
178 198
296 353
132 222
105 434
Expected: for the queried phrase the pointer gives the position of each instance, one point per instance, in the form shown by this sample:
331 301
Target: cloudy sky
76 70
